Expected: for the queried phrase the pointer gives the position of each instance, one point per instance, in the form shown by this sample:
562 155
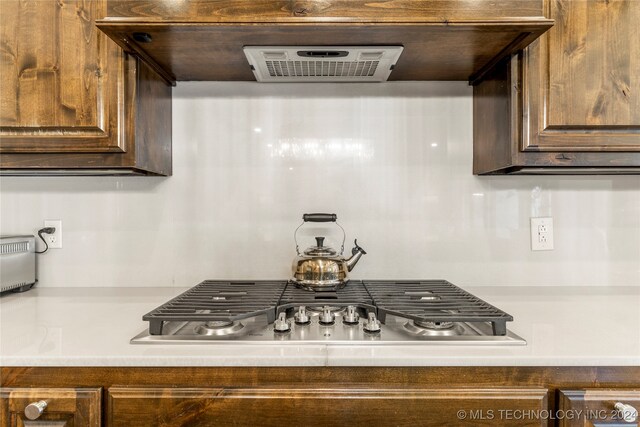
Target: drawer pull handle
35 409
627 412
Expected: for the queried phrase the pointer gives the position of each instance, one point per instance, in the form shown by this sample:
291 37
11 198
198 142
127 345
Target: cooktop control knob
327 317
351 317
282 324
372 324
301 317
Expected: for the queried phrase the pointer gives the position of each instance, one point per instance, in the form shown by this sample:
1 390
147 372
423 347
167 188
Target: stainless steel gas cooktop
363 312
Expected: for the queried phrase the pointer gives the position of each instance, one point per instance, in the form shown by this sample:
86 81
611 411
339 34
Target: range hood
210 40
287 64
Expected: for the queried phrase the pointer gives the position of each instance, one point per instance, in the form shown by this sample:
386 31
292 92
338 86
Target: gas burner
433 329
433 325
219 328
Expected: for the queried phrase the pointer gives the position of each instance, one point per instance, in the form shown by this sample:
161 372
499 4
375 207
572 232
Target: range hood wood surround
442 39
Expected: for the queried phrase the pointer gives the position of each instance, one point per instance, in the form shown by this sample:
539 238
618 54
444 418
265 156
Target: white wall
392 160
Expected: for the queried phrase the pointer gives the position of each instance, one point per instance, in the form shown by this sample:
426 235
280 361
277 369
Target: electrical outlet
53 240
542 234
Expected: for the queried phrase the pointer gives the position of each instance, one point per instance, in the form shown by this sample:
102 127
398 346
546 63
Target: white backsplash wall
392 160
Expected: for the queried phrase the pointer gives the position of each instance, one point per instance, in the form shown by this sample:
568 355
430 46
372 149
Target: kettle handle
319 217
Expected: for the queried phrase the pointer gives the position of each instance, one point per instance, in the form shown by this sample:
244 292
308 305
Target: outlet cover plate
542 234
54 240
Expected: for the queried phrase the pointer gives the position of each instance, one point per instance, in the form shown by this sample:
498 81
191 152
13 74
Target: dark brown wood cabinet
366 406
63 407
443 40
358 396
570 102
72 101
597 407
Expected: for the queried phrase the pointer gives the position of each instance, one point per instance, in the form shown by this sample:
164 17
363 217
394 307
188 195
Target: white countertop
564 326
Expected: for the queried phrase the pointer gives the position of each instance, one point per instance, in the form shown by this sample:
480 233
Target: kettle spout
356 254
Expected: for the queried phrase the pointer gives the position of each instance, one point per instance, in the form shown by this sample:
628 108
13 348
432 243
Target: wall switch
542 234
53 240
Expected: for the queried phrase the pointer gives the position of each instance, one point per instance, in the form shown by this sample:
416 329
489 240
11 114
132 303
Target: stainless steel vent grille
322 63
5 288
322 68
14 248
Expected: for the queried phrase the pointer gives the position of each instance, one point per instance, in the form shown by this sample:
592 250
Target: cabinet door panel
61 78
596 407
581 79
353 407
66 407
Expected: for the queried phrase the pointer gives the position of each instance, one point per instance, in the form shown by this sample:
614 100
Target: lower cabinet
599 407
319 396
129 406
50 407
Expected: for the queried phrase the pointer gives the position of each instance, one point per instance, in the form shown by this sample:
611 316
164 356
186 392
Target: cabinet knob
627 412
35 409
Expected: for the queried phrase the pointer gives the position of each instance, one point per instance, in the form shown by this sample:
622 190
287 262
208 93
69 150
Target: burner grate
219 300
423 301
354 293
434 301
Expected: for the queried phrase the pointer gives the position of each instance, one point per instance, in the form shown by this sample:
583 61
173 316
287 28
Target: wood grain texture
73 407
55 69
443 39
493 105
72 101
236 11
425 377
594 71
572 110
170 389
152 123
582 82
367 406
61 79
595 406
146 130
452 51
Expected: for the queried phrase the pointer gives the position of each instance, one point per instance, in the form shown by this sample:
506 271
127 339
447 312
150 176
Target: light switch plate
542 234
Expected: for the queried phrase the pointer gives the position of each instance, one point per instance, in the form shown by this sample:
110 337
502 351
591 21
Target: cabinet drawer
63 407
597 407
328 406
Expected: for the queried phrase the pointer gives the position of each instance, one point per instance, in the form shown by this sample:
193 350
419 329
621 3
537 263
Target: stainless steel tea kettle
321 268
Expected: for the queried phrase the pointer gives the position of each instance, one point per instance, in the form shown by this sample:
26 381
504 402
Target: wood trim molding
478 376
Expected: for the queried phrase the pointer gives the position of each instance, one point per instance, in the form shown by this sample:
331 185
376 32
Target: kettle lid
320 249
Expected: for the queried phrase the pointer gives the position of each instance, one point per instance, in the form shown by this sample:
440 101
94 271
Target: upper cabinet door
61 77
582 79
